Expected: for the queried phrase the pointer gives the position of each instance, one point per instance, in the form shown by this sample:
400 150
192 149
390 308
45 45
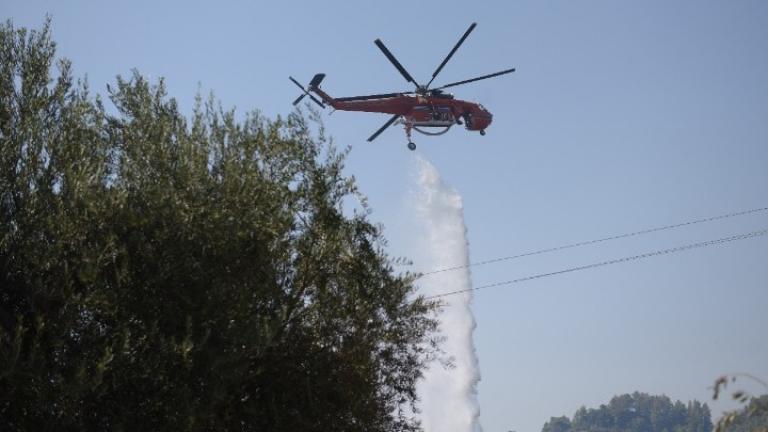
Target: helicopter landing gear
482 132
408 128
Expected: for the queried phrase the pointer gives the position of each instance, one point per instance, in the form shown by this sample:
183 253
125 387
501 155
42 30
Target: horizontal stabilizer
316 80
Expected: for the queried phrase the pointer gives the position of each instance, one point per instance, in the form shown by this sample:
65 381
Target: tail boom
314 87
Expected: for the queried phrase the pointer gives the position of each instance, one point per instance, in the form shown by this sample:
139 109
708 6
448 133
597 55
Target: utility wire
585 243
613 261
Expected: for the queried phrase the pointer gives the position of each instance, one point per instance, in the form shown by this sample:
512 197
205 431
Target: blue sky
621 116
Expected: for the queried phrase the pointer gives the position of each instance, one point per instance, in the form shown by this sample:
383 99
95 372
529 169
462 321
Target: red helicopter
418 109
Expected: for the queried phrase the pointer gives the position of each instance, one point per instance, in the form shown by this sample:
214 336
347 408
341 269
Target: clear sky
621 116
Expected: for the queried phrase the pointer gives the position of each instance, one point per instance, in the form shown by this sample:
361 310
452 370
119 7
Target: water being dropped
448 395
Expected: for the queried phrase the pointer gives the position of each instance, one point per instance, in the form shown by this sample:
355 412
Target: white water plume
448 395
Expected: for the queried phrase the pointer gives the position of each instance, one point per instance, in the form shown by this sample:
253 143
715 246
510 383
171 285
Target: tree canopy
160 272
636 412
752 417
752 414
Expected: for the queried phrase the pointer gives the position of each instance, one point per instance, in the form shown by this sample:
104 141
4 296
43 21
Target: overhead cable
585 243
613 261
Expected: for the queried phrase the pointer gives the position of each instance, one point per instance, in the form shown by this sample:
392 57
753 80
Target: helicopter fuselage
420 111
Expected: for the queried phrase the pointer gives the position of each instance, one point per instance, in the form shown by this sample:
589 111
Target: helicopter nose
485 120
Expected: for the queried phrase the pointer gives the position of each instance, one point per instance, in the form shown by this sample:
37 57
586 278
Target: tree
557 424
165 273
636 412
752 416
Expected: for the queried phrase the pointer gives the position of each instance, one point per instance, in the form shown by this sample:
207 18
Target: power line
613 261
585 243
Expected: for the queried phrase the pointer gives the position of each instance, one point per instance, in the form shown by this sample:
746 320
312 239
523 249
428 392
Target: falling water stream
448 394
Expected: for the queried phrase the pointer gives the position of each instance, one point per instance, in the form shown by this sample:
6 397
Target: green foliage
753 414
752 417
166 273
638 412
557 424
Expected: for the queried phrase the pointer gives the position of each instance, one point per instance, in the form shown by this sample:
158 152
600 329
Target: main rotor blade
476 79
394 61
375 96
386 125
298 99
450 54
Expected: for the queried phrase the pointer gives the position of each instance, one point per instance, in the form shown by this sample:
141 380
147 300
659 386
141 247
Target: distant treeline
636 412
640 412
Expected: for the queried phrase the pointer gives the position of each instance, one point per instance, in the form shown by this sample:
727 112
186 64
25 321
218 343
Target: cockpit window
482 107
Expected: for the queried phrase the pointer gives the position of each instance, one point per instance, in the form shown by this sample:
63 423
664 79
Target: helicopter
418 110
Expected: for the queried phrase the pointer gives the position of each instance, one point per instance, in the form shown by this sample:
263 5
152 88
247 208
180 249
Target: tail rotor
305 92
